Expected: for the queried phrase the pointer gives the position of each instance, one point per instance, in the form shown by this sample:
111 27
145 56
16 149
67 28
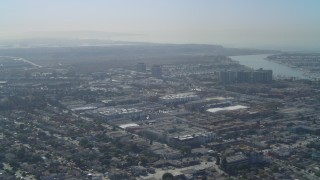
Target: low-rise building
179 98
109 113
193 139
235 161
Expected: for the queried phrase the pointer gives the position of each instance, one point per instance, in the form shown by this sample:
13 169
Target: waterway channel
280 71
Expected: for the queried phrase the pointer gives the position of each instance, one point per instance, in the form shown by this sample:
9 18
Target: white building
180 97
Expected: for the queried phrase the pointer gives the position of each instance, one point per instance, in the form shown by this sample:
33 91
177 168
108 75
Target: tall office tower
156 71
141 67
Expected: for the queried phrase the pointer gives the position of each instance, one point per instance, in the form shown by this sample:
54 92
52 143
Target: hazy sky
241 23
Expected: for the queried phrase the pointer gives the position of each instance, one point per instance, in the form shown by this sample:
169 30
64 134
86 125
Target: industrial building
114 112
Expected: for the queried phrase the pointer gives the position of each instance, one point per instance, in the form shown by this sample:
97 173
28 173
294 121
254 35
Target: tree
21 153
21 126
224 163
218 160
143 160
167 176
85 143
274 169
186 150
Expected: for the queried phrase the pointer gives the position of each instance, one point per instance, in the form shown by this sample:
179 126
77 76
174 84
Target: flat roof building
236 161
180 97
109 113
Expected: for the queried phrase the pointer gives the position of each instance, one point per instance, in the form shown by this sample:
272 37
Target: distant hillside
117 54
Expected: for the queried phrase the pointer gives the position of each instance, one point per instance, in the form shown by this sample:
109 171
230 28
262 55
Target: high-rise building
156 71
141 67
228 77
244 76
258 76
262 76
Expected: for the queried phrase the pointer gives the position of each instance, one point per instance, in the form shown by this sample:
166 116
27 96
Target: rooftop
180 95
125 126
229 108
236 158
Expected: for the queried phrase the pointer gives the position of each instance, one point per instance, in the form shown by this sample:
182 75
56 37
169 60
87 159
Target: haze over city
272 24
159 89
